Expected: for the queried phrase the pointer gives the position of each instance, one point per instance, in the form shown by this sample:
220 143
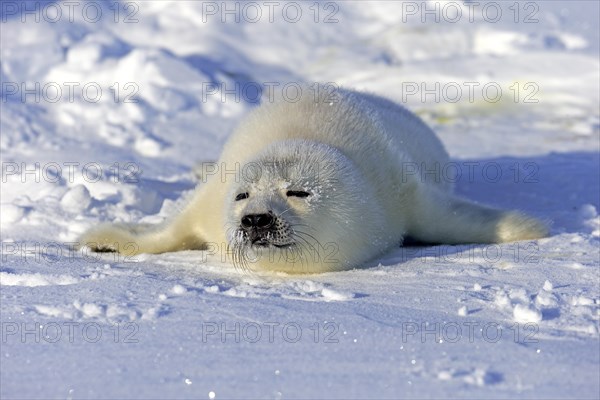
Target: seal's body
323 183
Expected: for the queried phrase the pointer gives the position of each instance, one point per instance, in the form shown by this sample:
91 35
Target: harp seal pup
325 183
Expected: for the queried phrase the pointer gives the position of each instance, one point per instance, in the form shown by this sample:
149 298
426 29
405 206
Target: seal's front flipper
443 218
136 239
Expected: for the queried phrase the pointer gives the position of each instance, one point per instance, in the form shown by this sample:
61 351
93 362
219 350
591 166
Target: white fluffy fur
350 151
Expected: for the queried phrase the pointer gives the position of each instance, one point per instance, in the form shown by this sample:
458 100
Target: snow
526 314
106 120
32 280
77 199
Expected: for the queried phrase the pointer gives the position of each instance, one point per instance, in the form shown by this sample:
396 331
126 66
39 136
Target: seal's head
301 207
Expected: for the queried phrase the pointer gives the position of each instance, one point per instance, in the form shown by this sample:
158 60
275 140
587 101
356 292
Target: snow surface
519 320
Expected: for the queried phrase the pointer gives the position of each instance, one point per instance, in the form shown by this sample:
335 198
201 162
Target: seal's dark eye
297 193
242 196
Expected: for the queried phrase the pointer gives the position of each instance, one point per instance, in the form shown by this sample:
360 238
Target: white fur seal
322 184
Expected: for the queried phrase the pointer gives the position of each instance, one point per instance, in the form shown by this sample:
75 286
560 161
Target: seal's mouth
263 242
249 245
258 239
260 242
284 246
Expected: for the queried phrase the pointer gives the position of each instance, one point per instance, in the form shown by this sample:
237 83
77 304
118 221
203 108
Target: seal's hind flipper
443 218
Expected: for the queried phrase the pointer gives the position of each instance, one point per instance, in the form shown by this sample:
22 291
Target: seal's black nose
259 221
